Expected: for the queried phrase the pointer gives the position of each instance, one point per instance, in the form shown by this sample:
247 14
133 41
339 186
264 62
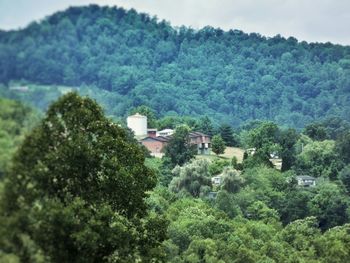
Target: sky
309 20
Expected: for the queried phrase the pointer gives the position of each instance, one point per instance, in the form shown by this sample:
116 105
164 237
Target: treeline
133 59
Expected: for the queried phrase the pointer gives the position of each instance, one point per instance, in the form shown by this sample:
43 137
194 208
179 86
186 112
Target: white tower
138 124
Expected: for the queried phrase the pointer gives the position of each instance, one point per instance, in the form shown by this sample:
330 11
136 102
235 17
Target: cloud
315 21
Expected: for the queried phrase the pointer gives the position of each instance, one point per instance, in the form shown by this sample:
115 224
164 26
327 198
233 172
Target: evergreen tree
205 125
226 133
218 145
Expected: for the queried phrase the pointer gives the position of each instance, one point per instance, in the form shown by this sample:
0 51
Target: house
251 151
306 181
155 144
212 195
202 141
216 180
165 132
19 88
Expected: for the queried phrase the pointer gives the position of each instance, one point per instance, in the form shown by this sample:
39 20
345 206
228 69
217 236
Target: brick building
202 141
155 144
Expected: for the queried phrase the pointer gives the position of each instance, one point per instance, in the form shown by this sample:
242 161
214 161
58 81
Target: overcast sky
310 20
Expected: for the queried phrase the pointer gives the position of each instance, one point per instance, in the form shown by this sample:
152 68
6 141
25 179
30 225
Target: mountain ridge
229 75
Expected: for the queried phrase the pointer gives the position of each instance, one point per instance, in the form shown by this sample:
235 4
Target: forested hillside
15 120
79 188
137 60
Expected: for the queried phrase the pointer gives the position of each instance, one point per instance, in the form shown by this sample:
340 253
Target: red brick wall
154 146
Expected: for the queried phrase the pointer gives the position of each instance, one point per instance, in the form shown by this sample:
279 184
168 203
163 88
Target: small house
165 132
202 141
216 180
212 195
155 145
306 181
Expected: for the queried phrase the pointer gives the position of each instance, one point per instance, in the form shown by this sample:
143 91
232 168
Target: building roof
165 131
306 177
137 115
197 134
158 138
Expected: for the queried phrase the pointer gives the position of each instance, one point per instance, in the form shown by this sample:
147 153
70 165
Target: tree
83 181
193 178
287 140
218 145
179 149
205 125
319 158
316 131
344 177
231 180
264 139
330 205
343 147
226 133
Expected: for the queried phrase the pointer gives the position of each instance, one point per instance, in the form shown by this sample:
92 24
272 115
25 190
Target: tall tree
83 181
343 147
287 140
264 139
179 150
316 131
218 145
205 125
226 133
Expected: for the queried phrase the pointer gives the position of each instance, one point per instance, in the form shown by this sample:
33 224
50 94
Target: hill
134 59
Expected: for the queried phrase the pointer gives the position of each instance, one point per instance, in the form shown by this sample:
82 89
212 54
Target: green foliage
226 133
179 150
174 121
344 176
287 140
132 59
77 190
15 120
264 139
343 147
205 126
218 145
232 181
316 131
259 211
217 166
319 159
330 205
191 179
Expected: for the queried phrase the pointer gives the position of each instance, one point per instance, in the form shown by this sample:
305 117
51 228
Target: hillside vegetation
79 188
133 59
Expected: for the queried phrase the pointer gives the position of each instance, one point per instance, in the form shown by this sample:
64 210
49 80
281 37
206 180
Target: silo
138 124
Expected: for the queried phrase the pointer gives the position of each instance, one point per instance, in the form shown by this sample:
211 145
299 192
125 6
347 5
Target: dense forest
126 59
79 188
76 186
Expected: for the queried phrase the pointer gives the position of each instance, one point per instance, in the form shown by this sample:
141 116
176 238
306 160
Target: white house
306 181
165 132
216 180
